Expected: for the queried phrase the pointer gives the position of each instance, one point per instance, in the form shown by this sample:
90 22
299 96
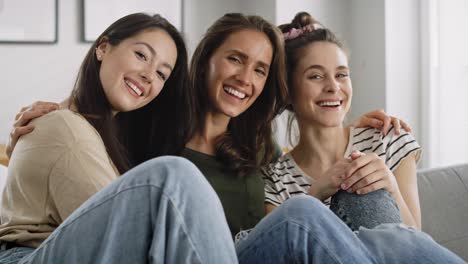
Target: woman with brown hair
65 200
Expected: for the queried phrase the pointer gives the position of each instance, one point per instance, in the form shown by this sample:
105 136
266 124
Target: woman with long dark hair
65 201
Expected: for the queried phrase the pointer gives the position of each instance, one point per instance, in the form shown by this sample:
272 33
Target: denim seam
291 221
140 185
320 242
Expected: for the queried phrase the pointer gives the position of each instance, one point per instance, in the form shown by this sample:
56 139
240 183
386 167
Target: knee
303 207
169 170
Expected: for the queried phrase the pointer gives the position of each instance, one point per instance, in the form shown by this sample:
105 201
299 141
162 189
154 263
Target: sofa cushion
443 194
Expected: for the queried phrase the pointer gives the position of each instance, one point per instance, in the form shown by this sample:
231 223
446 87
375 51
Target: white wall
367 60
200 14
402 61
452 122
40 72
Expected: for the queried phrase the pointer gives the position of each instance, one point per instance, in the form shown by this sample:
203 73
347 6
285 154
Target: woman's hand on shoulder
26 114
369 173
380 120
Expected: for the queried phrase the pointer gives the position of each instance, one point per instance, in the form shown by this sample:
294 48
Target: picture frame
29 22
98 15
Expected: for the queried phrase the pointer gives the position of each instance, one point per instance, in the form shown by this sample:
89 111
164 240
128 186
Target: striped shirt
285 179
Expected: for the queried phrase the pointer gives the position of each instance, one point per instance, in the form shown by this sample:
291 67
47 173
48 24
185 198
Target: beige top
52 171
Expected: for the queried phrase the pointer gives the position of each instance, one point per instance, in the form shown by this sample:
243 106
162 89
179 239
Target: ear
102 48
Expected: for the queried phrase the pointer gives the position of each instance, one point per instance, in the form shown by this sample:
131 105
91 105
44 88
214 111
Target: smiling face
322 88
237 72
133 72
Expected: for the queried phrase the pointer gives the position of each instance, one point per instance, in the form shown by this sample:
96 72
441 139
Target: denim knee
166 168
367 210
303 208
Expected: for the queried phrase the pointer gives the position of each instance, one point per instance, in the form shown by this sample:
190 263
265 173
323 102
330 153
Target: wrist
314 191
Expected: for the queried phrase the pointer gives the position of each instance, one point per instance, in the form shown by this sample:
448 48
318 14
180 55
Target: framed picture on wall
98 15
26 21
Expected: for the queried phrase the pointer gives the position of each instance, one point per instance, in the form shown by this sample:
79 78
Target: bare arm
408 200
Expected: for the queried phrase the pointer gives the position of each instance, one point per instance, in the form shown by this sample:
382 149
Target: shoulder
363 139
283 165
64 125
392 148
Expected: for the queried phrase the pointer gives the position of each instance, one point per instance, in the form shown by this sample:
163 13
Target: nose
332 85
244 76
148 75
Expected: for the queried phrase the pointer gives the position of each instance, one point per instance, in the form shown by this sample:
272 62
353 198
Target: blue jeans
162 211
368 210
303 230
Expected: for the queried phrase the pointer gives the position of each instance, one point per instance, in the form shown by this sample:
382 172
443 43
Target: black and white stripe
284 179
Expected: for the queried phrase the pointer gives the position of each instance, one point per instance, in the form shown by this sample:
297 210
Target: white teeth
336 103
134 88
234 92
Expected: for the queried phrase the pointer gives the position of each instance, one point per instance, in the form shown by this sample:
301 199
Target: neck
205 138
320 147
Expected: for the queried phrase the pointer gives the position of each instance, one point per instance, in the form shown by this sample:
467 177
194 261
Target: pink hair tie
294 32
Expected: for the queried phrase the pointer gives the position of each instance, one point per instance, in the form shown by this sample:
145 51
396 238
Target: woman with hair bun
372 195
367 178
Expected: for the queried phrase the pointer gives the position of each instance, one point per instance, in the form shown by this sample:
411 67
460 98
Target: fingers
357 164
384 119
26 116
396 125
362 167
15 134
377 119
377 185
372 122
369 179
38 106
356 154
405 126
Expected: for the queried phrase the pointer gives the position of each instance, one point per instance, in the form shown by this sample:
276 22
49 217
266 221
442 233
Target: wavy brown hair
153 130
248 142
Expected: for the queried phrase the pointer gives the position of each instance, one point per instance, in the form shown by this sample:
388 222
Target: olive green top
242 197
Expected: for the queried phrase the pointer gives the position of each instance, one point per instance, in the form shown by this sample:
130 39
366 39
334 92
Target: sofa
443 194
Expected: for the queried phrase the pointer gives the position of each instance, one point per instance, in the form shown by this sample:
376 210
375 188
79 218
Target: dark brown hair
248 141
153 130
294 48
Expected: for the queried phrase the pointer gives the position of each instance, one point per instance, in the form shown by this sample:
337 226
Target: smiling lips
137 90
234 92
328 103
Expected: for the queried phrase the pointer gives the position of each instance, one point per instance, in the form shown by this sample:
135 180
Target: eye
261 71
234 59
161 75
315 77
140 55
342 75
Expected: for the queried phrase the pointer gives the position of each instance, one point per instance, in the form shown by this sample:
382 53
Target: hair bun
302 19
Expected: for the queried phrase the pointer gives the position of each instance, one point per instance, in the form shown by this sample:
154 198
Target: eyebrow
165 64
320 67
245 56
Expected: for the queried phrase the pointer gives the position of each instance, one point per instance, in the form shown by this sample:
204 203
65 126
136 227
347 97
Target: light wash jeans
303 230
162 211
